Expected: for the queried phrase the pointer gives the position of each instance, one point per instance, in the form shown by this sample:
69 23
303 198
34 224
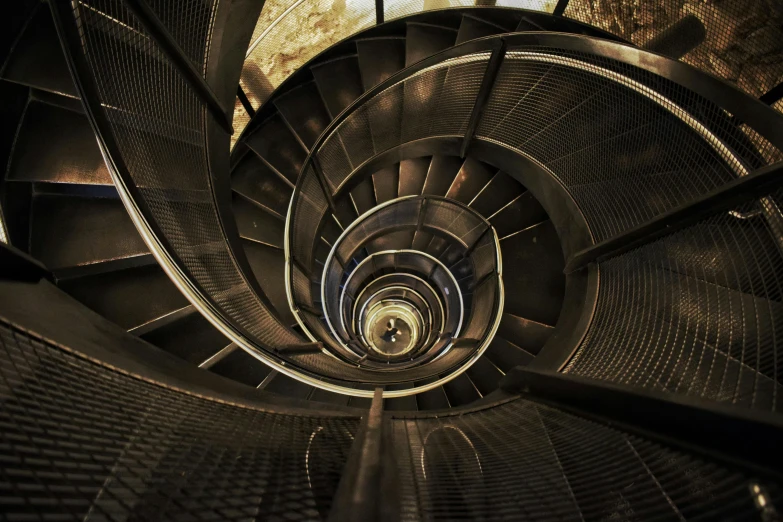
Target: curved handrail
435 262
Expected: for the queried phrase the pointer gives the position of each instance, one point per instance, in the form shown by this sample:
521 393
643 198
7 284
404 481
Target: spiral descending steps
580 156
60 204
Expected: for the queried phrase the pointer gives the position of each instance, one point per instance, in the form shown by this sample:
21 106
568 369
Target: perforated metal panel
698 312
190 23
158 124
624 154
80 441
525 461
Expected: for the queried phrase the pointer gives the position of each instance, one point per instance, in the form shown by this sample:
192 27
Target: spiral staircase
469 263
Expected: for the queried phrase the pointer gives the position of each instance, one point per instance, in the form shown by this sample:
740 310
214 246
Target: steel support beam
772 95
718 431
243 99
367 488
379 12
490 75
560 7
757 184
180 61
678 39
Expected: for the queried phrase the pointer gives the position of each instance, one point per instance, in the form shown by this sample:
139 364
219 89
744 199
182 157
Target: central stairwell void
471 263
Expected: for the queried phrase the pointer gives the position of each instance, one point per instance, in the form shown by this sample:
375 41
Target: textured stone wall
743 43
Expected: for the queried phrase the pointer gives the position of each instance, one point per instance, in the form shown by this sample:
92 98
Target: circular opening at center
392 329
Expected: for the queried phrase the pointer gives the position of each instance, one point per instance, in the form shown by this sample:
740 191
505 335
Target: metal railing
705 132
697 124
450 219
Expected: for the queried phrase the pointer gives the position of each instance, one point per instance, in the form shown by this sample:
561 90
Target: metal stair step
192 338
473 27
379 58
485 375
442 171
506 355
461 391
73 231
70 153
413 173
256 181
339 82
37 59
471 178
256 224
242 367
268 265
423 40
130 297
522 212
303 109
385 183
501 190
535 284
528 335
278 147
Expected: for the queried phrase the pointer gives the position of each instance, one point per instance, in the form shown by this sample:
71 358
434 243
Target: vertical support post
490 75
378 12
422 212
367 489
243 99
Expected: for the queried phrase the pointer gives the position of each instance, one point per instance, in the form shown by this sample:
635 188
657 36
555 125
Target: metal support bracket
755 185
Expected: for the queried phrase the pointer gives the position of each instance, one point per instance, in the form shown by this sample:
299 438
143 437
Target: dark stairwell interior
454 263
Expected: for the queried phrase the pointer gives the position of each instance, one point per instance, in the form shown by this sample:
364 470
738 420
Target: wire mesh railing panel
404 213
158 124
483 309
484 257
80 441
440 100
698 312
308 211
459 222
190 23
526 461
734 40
624 155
